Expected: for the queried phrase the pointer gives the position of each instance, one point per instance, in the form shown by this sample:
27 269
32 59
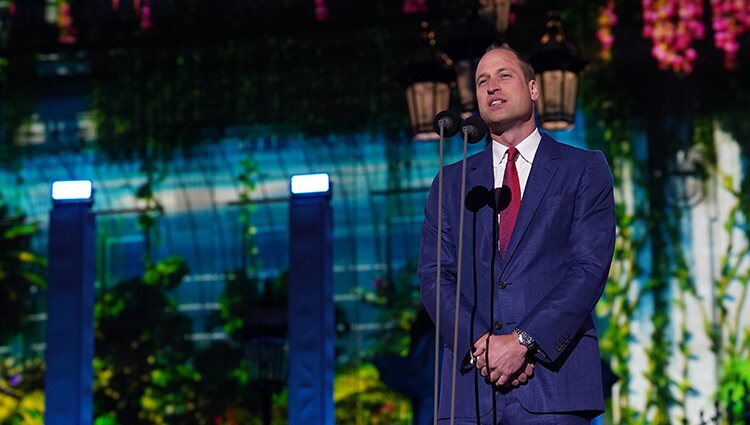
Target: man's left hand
501 358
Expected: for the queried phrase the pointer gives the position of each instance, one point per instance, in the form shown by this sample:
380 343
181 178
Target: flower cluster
145 12
65 23
606 21
321 11
142 8
414 6
730 19
672 25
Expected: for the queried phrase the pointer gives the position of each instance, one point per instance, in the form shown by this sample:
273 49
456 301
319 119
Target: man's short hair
526 68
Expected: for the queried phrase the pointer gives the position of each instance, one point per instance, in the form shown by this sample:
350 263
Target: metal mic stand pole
445 123
473 130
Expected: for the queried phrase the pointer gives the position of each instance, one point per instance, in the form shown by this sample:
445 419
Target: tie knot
512 154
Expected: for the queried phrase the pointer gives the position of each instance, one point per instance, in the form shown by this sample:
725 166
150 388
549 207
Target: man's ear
534 90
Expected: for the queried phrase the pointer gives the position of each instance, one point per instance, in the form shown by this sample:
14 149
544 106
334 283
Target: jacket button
498 325
502 284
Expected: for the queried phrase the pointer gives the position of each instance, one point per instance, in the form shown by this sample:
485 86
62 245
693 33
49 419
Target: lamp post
311 308
69 376
557 65
426 76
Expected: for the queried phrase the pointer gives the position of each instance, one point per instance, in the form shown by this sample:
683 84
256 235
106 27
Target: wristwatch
525 339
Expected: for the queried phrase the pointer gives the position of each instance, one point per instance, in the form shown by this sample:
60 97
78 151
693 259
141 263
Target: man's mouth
497 102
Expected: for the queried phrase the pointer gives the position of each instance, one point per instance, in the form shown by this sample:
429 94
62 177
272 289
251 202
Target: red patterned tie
508 215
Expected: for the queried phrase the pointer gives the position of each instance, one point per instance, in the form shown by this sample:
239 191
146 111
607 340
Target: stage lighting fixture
310 184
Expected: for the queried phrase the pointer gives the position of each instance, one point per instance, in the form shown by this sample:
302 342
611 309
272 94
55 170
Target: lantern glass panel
465 84
497 12
425 100
557 100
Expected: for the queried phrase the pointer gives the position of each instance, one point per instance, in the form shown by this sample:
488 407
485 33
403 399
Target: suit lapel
542 171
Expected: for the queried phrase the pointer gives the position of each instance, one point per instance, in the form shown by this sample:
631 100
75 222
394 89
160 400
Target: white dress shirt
526 149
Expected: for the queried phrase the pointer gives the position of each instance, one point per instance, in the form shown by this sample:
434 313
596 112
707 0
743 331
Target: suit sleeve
556 319
428 275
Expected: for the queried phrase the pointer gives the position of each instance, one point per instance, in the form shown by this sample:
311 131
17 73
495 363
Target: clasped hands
502 360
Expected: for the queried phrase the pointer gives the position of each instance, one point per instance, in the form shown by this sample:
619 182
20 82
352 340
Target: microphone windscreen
449 120
477 198
475 128
501 198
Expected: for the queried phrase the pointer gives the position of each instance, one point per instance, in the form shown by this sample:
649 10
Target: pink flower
606 21
414 6
146 22
321 11
672 26
729 21
65 23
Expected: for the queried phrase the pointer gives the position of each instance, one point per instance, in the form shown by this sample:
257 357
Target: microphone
474 129
500 198
449 121
477 198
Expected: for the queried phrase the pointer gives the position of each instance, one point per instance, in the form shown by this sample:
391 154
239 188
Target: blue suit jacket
548 283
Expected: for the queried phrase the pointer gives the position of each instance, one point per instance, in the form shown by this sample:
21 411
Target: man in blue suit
535 261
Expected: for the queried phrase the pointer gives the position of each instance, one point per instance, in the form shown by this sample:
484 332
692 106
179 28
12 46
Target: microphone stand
473 130
445 123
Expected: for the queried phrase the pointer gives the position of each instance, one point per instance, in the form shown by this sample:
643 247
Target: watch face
524 338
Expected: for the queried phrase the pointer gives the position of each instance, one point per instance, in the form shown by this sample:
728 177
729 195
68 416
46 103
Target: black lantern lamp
426 76
474 36
497 12
557 65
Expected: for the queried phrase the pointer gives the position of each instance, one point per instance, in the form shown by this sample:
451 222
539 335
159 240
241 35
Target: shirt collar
526 148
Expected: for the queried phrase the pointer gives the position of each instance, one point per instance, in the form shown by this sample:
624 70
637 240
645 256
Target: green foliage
166 274
222 386
150 104
730 341
247 180
21 271
735 380
360 398
21 391
152 209
143 369
399 300
674 113
609 127
244 295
